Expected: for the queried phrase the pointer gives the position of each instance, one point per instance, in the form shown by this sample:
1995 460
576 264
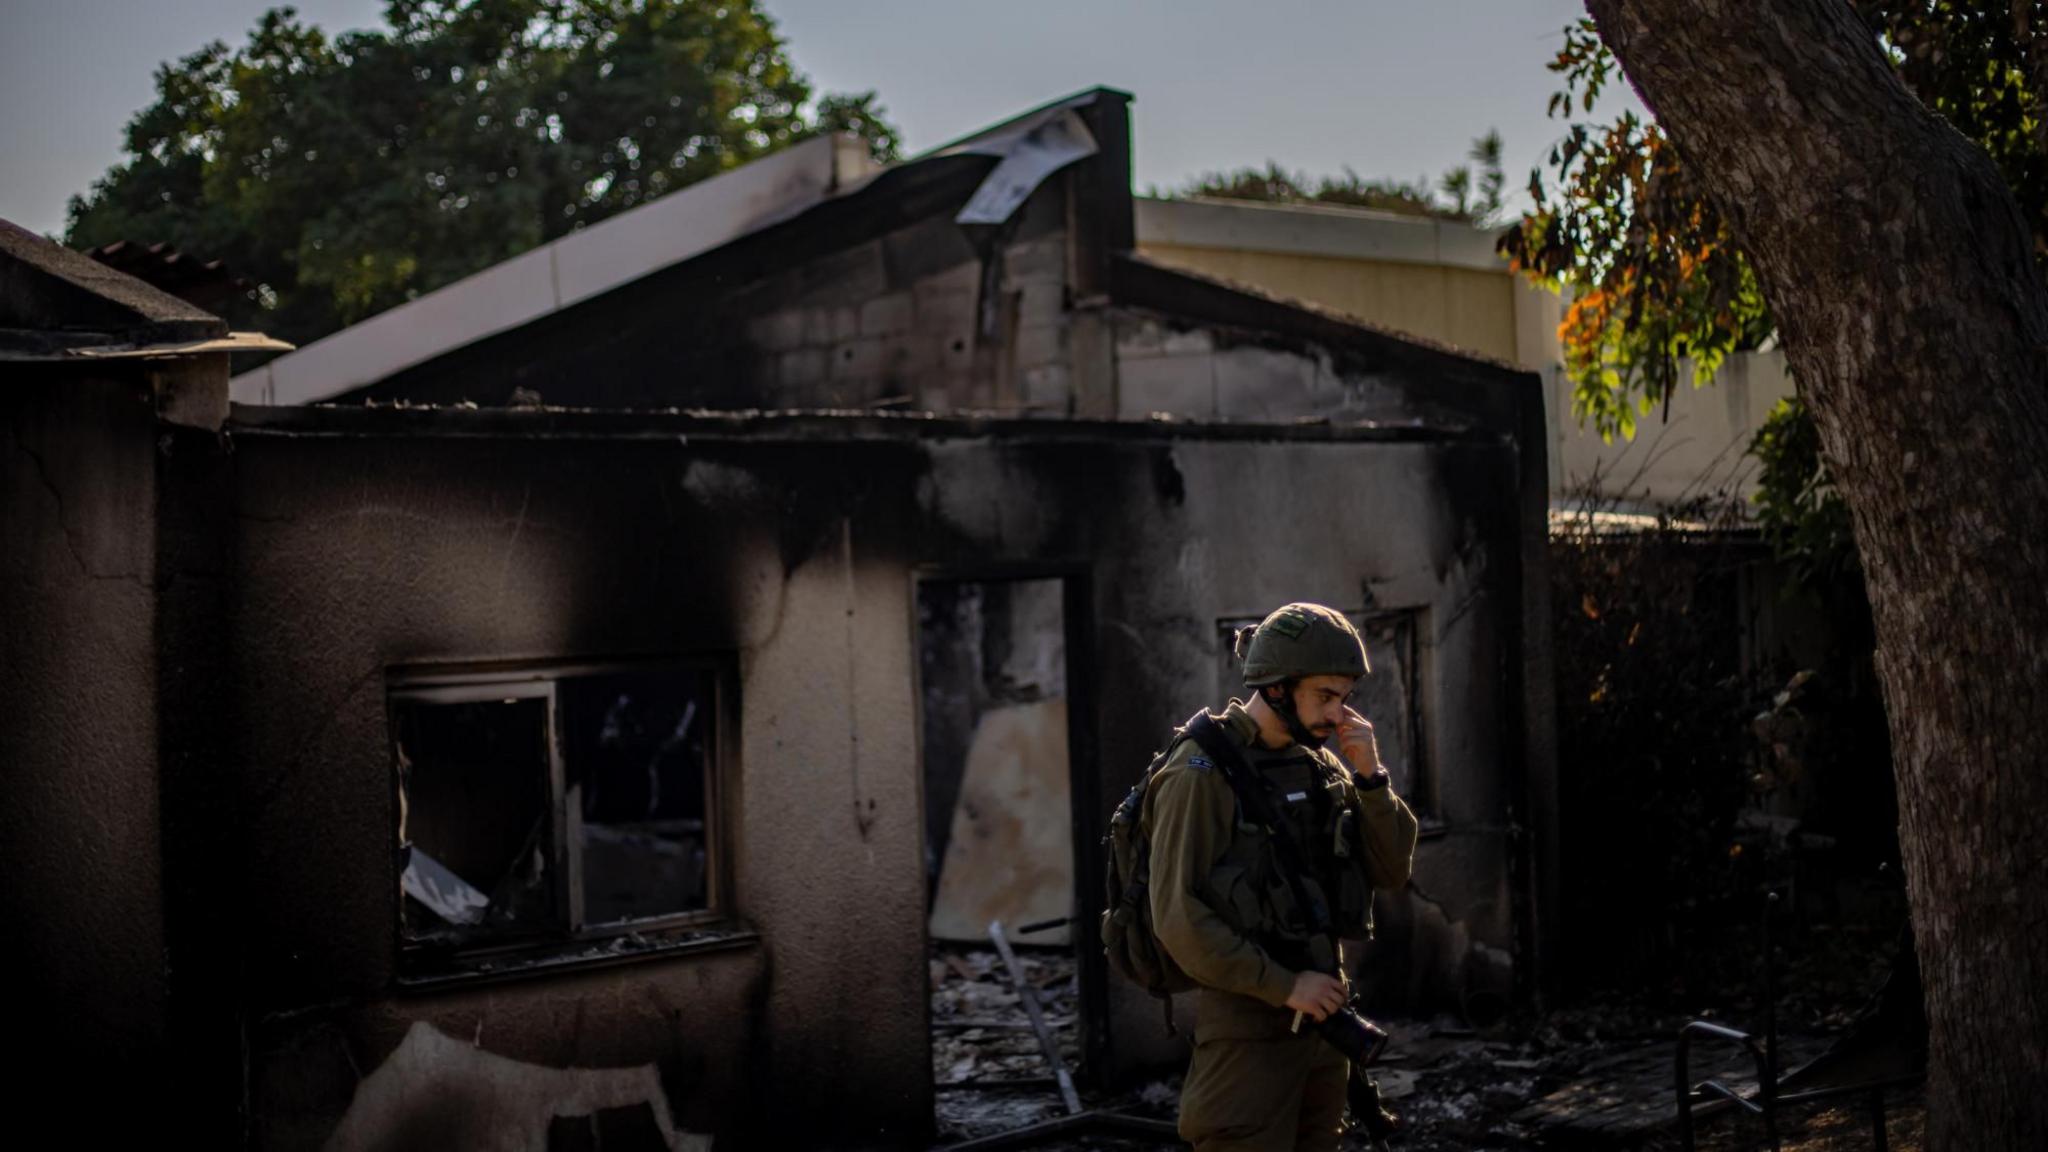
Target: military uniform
1223 910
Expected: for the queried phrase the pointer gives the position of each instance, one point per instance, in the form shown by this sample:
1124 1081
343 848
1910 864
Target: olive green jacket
1190 817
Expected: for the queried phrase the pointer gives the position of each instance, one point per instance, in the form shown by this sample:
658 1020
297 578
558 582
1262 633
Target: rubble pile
1594 1075
986 1065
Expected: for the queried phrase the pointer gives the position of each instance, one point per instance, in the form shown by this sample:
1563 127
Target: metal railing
1768 1102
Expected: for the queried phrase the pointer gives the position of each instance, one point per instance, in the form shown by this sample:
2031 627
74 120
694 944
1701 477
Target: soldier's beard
1311 738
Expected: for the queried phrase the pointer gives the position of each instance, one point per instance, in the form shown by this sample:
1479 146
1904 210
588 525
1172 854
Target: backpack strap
1252 796
1137 891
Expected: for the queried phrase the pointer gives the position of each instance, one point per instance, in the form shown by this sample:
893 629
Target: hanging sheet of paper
1058 141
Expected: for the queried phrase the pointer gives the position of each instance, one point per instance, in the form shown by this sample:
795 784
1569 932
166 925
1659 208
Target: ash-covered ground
1526 1082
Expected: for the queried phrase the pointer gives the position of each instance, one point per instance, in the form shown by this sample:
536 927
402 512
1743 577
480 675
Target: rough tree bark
1899 270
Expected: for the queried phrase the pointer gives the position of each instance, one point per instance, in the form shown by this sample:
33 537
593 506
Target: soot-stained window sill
572 956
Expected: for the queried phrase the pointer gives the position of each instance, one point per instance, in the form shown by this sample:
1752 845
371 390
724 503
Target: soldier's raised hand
1355 740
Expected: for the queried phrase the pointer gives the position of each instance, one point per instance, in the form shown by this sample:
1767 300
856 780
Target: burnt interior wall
79 812
996 734
982 644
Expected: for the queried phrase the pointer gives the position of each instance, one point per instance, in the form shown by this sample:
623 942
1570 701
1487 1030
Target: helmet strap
1291 716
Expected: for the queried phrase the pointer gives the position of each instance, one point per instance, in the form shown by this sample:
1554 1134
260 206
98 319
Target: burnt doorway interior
1000 846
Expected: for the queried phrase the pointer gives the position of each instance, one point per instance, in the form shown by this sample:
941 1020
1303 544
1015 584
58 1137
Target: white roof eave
558 274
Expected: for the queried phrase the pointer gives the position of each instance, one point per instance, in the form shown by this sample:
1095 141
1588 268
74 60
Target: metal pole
1029 997
1685 1139
1768 1090
1878 1139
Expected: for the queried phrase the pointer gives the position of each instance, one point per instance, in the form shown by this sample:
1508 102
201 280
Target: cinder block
818 328
956 350
944 302
1047 387
1257 384
891 315
1041 344
1181 385
1043 302
777 331
859 361
855 274
914 357
1136 338
1041 259
802 369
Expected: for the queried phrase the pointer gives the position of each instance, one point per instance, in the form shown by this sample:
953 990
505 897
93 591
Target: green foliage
1470 194
1797 502
859 115
1656 274
346 175
1984 68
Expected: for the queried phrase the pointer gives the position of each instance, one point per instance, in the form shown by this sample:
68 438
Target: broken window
1390 696
553 805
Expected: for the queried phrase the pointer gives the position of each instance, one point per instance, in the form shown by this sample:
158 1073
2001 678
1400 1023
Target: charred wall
78 800
381 540
359 556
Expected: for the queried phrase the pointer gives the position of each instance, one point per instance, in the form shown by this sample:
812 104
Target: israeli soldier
1223 910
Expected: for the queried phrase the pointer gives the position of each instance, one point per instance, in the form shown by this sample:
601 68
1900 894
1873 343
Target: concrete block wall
1207 374
901 321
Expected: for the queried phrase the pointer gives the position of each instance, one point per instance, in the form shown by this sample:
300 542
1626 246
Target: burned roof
808 426
812 190
53 299
64 306
202 283
591 291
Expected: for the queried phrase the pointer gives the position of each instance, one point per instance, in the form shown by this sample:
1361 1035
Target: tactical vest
1249 886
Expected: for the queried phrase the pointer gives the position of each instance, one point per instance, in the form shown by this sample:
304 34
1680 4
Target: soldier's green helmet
1300 640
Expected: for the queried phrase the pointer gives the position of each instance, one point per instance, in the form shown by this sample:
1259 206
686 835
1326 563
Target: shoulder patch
1201 764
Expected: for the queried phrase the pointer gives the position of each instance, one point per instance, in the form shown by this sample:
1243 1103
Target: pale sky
1394 88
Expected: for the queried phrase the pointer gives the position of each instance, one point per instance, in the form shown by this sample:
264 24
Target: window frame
459 683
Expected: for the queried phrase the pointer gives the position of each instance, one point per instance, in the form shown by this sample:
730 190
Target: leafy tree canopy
344 175
1469 193
1656 276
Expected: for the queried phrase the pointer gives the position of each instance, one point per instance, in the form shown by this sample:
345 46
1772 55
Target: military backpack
1127 934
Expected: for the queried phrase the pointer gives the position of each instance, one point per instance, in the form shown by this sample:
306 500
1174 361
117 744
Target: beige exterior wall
1463 307
1699 448
1441 280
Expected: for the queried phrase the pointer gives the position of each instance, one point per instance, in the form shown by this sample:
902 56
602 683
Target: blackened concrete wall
373 539
80 842
920 317
361 555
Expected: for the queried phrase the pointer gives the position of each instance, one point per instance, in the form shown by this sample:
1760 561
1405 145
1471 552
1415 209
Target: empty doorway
996 713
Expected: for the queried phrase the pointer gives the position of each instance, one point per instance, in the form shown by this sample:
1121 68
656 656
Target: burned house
559 703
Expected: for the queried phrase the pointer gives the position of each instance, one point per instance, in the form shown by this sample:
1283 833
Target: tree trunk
1900 273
